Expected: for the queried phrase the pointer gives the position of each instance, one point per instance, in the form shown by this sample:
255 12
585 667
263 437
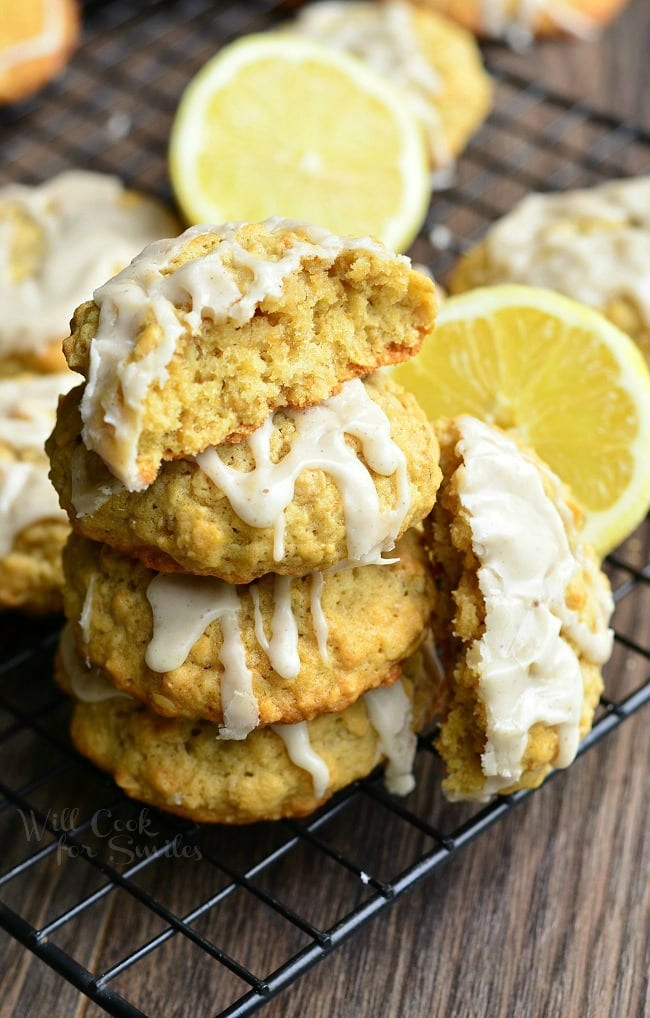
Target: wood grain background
545 916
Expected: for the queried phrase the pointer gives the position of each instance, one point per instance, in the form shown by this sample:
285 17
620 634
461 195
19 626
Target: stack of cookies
246 587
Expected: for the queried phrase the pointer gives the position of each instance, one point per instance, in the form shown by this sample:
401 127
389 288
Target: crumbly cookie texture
522 664
36 40
436 63
375 616
185 522
33 529
592 245
58 241
519 20
201 338
181 766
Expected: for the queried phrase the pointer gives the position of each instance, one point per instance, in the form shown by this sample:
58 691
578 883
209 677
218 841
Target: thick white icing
385 37
183 607
543 242
203 288
88 684
45 43
499 18
391 715
87 233
27 415
282 648
528 668
298 746
260 496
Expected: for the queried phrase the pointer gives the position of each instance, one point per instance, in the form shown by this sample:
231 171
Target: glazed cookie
300 494
58 241
437 64
202 337
33 529
521 615
36 40
278 650
286 770
518 21
592 245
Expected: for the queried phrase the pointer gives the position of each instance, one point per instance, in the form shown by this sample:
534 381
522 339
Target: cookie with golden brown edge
33 529
36 40
201 338
282 650
591 244
521 615
436 63
519 20
185 521
58 241
183 767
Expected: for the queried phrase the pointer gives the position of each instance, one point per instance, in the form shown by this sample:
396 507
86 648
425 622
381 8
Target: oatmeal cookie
186 522
521 615
183 766
277 650
58 241
201 338
592 245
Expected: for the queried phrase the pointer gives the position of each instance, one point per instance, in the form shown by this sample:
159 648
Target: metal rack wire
70 842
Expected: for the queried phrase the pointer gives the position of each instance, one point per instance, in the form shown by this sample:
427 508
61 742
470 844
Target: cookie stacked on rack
246 588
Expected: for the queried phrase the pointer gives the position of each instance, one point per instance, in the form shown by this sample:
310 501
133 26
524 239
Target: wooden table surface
547 914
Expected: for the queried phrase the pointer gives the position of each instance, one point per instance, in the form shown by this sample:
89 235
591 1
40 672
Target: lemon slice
279 125
559 375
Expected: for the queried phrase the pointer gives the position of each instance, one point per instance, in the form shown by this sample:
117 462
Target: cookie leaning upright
522 615
284 313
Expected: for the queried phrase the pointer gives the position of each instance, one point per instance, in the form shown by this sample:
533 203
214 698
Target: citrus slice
559 375
280 125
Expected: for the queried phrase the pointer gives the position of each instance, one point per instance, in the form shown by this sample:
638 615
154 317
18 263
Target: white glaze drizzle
528 670
28 407
26 497
260 496
27 415
391 715
88 683
543 242
183 607
385 37
86 231
86 610
517 24
282 648
298 746
45 43
203 288
319 622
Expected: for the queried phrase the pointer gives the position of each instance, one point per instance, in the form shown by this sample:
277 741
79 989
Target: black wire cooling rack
73 849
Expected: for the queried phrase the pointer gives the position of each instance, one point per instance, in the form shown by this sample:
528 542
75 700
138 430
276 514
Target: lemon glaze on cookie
27 414
591 244
200 291
529 670
304 473
58 241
